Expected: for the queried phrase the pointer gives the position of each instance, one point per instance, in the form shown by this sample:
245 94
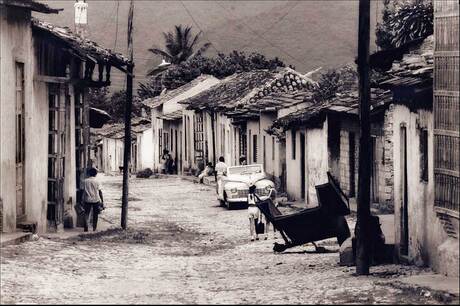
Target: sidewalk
14 238
442 288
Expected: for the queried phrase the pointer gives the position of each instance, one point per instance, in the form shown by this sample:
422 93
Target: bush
146 173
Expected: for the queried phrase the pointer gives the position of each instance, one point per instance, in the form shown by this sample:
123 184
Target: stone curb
16 239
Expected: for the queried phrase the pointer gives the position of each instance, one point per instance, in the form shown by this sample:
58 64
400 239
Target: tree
334 81
220 66
180 45
404 22
114 105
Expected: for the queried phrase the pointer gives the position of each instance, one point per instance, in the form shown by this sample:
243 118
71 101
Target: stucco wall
425 229
316 163
16 46
113 154
145 149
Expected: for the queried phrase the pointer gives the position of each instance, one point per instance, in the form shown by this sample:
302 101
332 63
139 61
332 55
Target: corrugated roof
201 83
82 47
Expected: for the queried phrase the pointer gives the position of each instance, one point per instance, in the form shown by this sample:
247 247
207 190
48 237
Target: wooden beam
52 79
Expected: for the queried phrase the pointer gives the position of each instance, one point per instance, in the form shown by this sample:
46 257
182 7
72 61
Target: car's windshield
245 170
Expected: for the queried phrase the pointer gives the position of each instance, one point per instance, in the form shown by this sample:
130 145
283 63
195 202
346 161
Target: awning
98 117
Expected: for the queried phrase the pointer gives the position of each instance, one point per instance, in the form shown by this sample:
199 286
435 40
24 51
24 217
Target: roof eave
32 6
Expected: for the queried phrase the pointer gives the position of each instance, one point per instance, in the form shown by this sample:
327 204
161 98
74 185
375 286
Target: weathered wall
145 149
293 167
271 161
426 233
113 154
16 46
316 161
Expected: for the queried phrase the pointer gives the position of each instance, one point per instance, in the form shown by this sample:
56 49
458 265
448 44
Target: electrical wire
116 27
196 23
264 39
276 22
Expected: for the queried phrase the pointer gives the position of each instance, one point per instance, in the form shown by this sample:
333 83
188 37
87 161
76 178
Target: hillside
306 34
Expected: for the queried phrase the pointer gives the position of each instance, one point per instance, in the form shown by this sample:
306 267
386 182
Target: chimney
81 17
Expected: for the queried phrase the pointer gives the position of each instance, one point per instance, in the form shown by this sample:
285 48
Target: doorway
302 165
404 244
20 144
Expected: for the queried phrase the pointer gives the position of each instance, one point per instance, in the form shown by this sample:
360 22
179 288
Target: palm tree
180 45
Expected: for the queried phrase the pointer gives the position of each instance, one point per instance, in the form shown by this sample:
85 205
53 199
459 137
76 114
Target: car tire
227 203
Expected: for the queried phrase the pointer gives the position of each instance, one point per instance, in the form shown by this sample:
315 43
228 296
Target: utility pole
363 229
128 106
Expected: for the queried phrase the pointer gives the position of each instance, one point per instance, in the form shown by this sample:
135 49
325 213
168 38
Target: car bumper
244 200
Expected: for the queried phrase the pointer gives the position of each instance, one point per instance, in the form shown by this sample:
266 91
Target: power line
196 23
276 22
116 27
264 39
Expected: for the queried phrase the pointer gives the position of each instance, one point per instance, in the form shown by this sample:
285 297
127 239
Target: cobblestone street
182 247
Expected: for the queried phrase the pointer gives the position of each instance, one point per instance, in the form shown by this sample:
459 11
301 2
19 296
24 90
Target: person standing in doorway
243 160
92 198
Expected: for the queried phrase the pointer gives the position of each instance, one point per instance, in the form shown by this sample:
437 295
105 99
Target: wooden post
362 230
128 106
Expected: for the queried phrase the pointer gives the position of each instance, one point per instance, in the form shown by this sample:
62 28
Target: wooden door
302 165
56 155
20 143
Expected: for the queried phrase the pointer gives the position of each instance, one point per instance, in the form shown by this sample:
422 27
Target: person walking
92 198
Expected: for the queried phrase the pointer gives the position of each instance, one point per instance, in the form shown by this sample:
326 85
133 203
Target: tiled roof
172 116
415 67
203 82
245 94
345 103
82 47
117 130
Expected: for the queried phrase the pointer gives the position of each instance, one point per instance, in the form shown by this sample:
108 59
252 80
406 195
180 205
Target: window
424 155
185 138
273 148
293 146
254 148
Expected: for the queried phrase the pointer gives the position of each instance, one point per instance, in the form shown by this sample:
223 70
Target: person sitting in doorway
92 198
208 171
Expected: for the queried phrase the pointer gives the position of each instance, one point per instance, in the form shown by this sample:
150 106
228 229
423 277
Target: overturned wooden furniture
312 224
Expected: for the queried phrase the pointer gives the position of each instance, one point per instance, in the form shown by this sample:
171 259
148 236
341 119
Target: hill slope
306 34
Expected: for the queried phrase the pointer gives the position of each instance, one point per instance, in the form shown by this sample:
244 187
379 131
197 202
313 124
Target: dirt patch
170 238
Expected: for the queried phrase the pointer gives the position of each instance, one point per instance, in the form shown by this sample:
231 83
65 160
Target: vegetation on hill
220 66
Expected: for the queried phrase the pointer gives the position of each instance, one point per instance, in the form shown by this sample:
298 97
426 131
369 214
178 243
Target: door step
27 226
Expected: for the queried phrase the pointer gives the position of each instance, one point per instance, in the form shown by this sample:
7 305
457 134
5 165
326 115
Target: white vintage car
233 188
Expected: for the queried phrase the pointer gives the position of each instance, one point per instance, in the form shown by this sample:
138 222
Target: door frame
404 218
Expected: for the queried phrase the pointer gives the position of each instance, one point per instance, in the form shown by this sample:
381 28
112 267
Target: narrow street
181 247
